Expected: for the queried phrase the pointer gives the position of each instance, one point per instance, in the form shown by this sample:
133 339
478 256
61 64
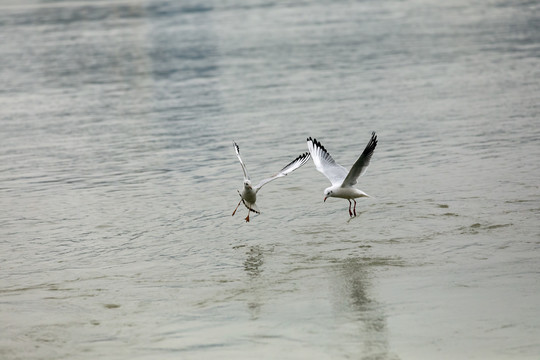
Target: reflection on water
118 178
357 304
252 267
253 262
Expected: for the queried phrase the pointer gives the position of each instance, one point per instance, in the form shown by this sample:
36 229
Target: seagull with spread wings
248 196
341 179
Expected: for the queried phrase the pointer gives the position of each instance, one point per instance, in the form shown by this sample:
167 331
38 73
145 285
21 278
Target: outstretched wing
237 149
324 162
360 166
289 168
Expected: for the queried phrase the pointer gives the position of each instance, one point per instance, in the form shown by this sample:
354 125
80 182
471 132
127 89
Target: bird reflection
253 261
252 266
359 305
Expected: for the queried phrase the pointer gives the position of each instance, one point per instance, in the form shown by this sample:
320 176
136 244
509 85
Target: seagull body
248 196
342 180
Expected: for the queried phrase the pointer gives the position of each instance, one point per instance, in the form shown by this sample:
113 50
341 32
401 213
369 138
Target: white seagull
249 194
341 179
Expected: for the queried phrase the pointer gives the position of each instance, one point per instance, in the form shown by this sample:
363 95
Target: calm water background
118 179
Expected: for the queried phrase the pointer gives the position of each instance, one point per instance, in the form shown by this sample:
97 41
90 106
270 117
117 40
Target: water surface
118 179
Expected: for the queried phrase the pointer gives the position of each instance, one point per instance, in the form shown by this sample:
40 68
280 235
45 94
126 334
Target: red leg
234 212
354 207
247 217
350 212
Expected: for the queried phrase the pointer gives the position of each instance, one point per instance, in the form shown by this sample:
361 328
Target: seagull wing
360 166
324 162
289 168
237 149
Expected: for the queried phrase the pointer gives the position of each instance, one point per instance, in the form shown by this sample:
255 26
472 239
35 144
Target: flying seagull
341 179
248 196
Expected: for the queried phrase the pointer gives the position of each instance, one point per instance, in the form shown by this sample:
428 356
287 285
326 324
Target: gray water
118 179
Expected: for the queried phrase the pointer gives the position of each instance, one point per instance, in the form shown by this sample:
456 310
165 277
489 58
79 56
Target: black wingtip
319 145
374 138
370 147
303 158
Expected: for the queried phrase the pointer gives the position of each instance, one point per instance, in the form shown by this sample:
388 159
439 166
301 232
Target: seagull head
247 184
327 193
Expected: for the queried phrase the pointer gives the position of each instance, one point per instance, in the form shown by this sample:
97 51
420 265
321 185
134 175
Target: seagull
248 196
341 179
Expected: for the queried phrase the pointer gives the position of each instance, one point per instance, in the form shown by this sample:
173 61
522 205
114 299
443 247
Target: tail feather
251 207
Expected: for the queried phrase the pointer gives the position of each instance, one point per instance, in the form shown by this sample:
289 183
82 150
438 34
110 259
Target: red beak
326 197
